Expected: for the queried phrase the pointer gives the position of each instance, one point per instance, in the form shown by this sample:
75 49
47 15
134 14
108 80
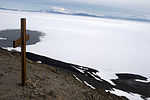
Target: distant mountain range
82 14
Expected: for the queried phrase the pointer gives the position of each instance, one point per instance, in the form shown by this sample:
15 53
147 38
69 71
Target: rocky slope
43 82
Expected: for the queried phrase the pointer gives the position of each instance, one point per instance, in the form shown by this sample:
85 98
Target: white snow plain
110 46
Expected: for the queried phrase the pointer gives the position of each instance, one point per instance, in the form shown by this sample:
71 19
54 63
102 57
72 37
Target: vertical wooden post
22 41
23 51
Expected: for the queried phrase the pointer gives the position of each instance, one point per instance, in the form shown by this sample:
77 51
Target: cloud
59 9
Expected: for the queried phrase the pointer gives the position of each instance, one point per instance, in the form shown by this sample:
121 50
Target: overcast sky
139 5
133 4
117 3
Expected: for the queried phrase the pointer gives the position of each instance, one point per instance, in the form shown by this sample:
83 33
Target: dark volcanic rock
131 76
128 83
13 34
87 74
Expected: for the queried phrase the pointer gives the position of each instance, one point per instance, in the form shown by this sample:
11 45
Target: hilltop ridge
43 82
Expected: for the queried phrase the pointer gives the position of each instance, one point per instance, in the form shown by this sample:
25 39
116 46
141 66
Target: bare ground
43 82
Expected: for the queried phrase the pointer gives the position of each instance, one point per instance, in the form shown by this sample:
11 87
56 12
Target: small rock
1 74
34 84
41 94
52 94
32 95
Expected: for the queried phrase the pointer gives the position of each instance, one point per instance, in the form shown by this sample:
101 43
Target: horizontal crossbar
18 42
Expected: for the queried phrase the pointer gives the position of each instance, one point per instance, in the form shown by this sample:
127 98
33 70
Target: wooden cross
22 41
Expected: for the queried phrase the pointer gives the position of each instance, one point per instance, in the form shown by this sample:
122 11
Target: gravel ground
43 82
